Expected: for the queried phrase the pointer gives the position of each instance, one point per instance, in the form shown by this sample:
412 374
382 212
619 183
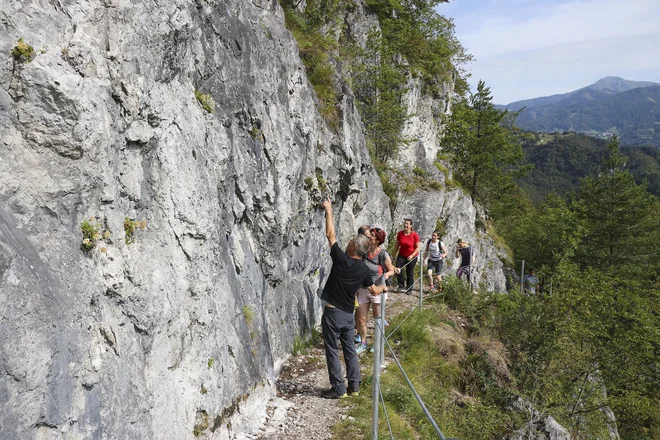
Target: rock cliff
178 328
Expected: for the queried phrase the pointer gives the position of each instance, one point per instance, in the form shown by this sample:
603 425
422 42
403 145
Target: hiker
380 265
464 252
364 230
348 273
436 251
408 246
531 282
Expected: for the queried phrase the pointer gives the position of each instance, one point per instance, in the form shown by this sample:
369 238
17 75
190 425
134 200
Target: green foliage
618 215
205 100
256 133
323 185
486 151
561 160
302 342
210 363
435 380
248 314
426 39
309 182
379 84
317 47
91 233
23 52
130 228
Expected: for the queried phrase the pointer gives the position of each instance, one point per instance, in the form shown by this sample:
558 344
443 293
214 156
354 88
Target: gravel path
298 411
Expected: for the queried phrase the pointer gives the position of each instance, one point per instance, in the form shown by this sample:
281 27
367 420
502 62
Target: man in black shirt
348 273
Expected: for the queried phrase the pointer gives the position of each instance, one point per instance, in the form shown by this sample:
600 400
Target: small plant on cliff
131 226
323 184
210 362
91 232
23 52
205 100
248 314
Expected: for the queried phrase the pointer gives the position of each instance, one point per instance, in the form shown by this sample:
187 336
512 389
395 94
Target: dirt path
298 411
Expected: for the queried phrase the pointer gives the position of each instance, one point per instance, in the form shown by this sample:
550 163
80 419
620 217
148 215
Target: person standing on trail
464 252
531 282
348 273
436 251
408 246
380 265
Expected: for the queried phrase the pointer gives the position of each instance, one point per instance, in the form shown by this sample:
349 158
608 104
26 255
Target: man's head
358 246
365 230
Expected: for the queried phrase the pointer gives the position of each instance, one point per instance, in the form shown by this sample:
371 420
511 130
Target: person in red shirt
407 250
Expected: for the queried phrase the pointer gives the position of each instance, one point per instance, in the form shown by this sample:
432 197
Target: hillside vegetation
589 342
561 160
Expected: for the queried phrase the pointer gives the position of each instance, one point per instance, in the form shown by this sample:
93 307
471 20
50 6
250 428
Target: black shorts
435 266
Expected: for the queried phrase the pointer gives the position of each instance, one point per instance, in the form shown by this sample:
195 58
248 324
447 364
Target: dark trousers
337 324
409 269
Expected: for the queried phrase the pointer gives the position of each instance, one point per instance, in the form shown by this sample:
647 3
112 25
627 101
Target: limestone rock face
178 328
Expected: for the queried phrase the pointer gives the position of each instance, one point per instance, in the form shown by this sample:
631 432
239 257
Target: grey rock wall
185 328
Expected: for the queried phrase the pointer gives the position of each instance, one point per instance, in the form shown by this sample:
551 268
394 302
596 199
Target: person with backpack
380 265
408 246
436 251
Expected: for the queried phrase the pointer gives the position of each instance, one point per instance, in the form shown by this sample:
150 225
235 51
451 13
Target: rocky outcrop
180 329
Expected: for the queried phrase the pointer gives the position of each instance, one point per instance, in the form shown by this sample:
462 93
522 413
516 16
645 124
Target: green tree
620 217
485 147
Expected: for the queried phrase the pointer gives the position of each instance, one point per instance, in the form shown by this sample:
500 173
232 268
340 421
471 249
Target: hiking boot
354 390
361 348
332 394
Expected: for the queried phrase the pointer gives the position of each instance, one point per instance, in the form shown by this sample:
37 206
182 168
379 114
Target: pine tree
620 217
485 147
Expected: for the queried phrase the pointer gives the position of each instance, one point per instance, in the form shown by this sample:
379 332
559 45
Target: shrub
91 233
131 226
205 100
23 52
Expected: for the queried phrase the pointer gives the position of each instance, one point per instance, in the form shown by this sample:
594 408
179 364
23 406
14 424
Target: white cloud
530 48
565 23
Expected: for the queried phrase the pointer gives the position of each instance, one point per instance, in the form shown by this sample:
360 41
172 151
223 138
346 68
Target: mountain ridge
612 105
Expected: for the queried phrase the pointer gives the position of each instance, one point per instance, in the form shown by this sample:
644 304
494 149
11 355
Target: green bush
23 52
205 100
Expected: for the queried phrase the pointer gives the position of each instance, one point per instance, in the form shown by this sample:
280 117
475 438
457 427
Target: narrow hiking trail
298 411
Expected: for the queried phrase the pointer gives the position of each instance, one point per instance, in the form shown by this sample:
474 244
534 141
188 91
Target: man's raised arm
329 223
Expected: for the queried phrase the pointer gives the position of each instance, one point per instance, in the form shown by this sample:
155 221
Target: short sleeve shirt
346 276
407 243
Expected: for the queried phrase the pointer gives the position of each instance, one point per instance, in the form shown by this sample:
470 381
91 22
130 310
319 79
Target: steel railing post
375 385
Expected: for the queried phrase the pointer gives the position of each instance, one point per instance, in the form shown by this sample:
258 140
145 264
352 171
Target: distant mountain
631 109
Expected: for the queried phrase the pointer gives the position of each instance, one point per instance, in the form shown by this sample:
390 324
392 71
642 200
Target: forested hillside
590 341
561 160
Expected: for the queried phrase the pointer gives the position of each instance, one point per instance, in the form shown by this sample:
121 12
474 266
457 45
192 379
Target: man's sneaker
361 347
358 338
354 390
332 394
408 291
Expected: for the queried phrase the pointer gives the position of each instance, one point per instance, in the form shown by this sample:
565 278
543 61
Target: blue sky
531 48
